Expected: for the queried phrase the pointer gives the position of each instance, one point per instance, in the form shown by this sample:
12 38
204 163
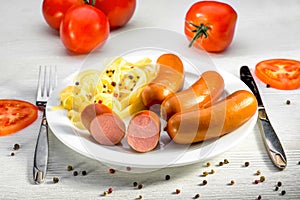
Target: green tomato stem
200 31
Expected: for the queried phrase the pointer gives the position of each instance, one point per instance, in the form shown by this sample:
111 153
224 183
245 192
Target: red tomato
118 12
16 115
281 74
84 28
54 10
210 25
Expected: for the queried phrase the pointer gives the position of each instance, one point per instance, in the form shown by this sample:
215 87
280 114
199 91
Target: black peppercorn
16 146
279 184
167 177
55 180
83 173
75 173
140 186
135 184
283 192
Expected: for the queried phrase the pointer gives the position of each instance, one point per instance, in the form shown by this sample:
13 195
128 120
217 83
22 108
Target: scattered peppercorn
112 171
283 192
259 197
207 164
75 173
55 180
69 168
110 190
167 177
128 168
288 102
262 179
83 173
205 173
77 83
16 146
279 184
212 171
299 163
12 154
221 163
247 164
140 196
177 191
113 83
226 161
256 181
135 184
268 85
276 188
196 196
105 193
232 182
258 172
140 186
204 182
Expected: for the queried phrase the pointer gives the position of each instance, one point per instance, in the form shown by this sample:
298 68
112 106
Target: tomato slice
16 115
281 74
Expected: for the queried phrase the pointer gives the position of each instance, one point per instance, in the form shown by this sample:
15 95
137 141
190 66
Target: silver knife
270 138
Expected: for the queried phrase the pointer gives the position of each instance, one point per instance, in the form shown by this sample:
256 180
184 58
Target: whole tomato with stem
84 28
54 10
210 25
118 12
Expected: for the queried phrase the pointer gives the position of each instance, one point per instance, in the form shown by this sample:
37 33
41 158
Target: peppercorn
110 190
83 173
12 154
112 171
232 182
288 102
247 164
283 192
256 181
69 168
205 173
262 179
268 85
204 182
16 146
135 184
226 161
55 180
276 188
212 171
105 193
299 163
140 186
258 172
140 196
279 184
128 168
207 164
75 173
177 191
167 177
113 84
196 196
259 197
221 163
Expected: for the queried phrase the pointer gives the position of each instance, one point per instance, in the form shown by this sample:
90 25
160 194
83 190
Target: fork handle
41 153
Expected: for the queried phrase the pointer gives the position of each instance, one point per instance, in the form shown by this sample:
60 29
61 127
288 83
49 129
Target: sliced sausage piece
212 122
168 80
107 129
206 90
91 111
143 131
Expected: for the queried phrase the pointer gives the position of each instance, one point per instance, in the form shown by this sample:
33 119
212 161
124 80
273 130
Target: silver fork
46 84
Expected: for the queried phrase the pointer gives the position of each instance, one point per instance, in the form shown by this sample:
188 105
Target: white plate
133 45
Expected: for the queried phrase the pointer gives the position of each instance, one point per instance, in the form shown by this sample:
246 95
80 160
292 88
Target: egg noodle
118 86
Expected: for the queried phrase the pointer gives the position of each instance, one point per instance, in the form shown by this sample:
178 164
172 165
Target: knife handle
41 153
271 140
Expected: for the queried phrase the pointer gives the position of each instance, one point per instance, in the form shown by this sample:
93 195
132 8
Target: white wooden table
265 29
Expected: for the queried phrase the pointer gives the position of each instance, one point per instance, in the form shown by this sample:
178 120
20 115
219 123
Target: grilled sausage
212 122
206 90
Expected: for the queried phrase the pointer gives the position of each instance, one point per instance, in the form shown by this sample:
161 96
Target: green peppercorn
226 161
55 180
205 173
212 171
262 179
105 193
69 168
207 164
258 172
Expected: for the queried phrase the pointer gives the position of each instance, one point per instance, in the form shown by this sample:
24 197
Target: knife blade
270 138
